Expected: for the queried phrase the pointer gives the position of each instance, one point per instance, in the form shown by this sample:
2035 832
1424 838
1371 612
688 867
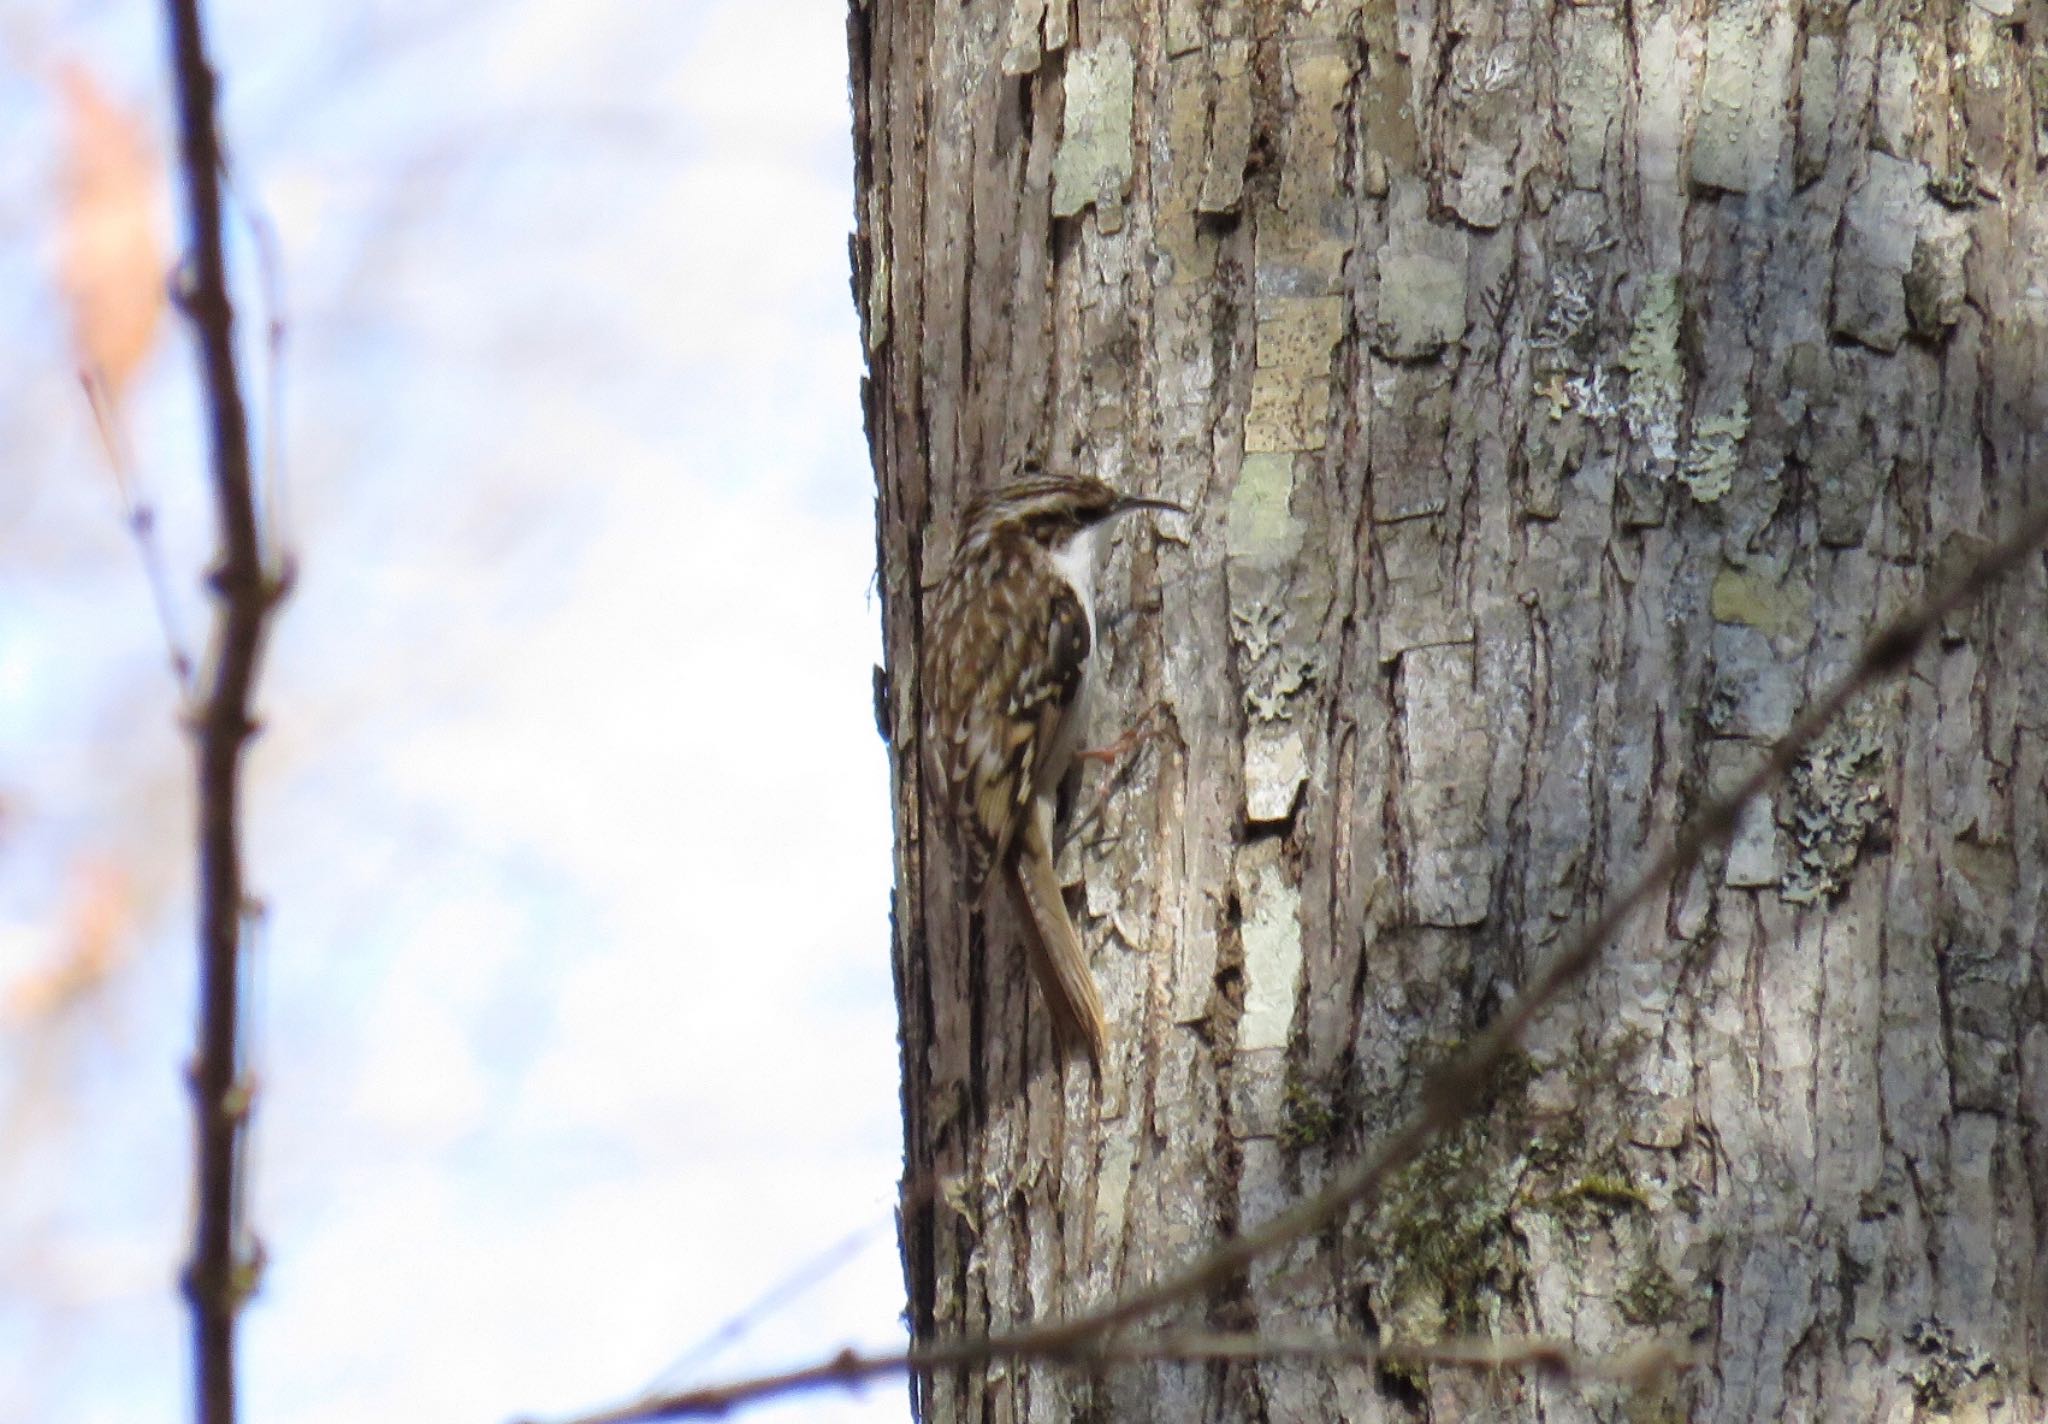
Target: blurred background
572 1015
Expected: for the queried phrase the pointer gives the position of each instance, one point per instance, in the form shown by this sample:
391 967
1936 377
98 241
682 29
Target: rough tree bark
1563 392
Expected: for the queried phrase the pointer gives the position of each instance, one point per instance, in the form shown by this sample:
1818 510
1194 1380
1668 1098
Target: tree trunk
1563 392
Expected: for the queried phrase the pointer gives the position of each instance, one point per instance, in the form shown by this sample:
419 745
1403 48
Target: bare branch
1451 1094
224 1265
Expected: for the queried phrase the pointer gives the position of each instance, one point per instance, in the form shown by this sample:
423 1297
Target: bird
1009 655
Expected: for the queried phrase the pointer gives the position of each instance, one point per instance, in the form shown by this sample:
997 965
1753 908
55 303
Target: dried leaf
97 937
111 245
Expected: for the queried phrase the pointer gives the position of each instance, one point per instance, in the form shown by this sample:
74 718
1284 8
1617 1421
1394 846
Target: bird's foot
1145 728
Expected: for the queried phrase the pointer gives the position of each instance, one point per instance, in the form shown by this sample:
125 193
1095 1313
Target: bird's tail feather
1057 959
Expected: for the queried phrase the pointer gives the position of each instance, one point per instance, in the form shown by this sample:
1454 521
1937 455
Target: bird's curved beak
1131 503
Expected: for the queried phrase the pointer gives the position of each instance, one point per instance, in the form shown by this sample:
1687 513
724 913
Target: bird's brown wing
1029 633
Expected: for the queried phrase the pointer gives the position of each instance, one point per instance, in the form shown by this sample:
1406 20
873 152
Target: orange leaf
111 246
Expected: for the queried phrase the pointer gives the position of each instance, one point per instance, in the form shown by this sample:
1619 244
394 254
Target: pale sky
574 1029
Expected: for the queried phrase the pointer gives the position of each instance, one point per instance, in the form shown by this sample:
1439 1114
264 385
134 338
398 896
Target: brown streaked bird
1008 655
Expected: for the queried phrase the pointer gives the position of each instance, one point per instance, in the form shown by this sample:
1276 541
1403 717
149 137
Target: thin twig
1450 1095
807 1276
224 1266
140 519
821 1266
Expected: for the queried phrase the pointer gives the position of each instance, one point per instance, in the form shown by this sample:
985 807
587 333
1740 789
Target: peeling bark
1563 392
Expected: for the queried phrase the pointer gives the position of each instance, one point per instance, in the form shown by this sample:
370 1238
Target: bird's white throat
1076 560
